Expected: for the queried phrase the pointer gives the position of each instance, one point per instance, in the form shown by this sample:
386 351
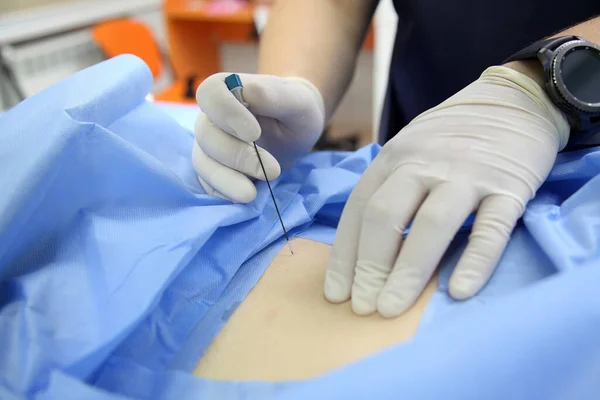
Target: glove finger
496 218
386 217
226 181
435 225
210 190
286 100
224 110
340 269
233 152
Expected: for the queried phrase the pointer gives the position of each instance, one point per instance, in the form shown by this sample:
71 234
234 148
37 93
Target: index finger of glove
294 104
224 110
435 224
340 269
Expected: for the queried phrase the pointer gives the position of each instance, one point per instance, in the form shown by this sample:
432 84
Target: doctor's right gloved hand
285 116
487 149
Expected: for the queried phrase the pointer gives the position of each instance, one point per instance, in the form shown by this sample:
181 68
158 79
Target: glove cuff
536 93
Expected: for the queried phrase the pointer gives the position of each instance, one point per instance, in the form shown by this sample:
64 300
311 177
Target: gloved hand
285 118
487 148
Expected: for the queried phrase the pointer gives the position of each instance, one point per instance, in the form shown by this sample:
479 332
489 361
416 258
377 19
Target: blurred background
182 41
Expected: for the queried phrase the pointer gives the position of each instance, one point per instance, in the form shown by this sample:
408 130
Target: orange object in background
124 36
197 28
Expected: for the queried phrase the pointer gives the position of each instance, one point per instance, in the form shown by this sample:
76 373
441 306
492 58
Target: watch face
580 71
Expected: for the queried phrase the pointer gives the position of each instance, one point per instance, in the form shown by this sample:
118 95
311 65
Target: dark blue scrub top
442 46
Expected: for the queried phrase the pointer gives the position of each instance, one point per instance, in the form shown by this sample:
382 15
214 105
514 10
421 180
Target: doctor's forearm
318 40
589 30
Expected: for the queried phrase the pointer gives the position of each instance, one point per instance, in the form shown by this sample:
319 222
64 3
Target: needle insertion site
234 84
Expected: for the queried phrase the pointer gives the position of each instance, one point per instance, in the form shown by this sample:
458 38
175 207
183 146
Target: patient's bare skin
286 329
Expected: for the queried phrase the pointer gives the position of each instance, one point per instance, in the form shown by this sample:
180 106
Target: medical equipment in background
8 85
35 65
234 84
47 42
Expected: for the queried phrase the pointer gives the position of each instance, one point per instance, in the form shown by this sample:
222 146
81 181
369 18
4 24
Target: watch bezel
557 80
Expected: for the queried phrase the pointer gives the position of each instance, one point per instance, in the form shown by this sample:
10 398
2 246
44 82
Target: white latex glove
487 148
285 118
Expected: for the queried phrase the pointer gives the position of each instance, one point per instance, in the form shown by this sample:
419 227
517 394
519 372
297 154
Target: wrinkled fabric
109 247
117 270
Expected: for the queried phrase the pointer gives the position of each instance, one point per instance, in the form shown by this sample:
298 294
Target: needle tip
290 246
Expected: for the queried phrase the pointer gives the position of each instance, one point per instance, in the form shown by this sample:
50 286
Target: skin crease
286 317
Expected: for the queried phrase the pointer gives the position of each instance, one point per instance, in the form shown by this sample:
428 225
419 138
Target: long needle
234 84
273 197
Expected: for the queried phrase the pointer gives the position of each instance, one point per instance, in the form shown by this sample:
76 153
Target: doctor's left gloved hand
487 149
285 117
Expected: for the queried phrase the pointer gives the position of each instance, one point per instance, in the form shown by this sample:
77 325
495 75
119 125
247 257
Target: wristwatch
571 79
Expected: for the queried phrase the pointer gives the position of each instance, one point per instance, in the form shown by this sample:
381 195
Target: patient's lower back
285 329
